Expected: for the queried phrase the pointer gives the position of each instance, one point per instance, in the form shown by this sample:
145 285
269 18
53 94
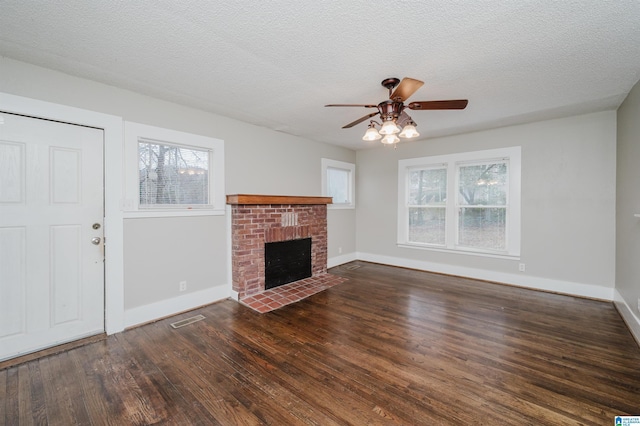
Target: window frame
327 164
134 133
452 163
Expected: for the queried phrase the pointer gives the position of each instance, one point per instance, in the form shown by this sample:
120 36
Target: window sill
341 206
465 252
137 214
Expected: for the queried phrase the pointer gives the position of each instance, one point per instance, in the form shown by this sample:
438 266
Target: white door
51 248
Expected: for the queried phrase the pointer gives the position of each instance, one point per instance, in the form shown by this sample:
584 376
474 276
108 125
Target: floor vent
352 267
187 321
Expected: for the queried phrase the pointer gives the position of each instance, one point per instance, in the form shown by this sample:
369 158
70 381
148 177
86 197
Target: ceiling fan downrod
390 83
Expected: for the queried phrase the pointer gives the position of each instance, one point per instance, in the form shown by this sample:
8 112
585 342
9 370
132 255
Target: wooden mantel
248 199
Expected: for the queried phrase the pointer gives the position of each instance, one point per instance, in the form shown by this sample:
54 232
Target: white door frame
113 190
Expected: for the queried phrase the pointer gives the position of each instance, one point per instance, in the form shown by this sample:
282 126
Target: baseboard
527 281
340 260
234 295
633 322
165 308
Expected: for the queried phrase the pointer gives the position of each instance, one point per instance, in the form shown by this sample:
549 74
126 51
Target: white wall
568 184
257 160
568 205
628 204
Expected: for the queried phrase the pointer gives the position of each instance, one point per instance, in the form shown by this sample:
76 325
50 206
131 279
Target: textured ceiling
275 63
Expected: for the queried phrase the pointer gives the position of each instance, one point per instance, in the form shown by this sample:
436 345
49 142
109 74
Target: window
426 204
170 173
468 202
482 205
173 175
338 182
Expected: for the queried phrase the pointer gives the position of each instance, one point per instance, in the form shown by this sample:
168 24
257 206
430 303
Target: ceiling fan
396 122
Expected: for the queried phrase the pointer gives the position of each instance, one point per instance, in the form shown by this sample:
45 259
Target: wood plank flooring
388 346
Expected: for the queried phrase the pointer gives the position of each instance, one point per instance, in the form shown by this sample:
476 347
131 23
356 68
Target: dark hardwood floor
389 346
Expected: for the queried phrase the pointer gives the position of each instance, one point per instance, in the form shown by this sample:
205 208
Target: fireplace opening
286 262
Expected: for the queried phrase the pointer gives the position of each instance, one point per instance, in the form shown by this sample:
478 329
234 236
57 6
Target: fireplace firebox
286 262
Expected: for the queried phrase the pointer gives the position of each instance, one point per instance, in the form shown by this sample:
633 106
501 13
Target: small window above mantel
338 182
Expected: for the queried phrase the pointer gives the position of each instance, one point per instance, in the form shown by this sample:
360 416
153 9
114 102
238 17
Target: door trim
113 193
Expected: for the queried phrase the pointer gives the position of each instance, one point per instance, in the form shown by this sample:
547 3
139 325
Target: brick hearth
283 295
260 219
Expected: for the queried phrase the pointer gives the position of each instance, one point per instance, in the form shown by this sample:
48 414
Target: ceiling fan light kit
389 127
394 119
409 131
371 134
390 140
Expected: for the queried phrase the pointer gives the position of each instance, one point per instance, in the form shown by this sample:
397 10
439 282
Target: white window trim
133 132
452 161
351 168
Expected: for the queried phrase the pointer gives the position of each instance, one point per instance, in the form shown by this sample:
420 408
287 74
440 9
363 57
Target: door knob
95 240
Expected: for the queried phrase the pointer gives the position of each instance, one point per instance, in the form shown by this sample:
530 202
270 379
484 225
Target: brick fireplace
260 219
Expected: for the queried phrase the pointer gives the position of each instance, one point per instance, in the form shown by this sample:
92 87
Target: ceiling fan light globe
371 135
409 131
389 128
390 139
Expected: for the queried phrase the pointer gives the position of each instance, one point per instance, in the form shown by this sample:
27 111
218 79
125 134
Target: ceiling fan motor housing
390 110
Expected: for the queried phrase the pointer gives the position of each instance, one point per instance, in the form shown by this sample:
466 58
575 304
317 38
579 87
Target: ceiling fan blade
406 88
352 105
359 120
451 104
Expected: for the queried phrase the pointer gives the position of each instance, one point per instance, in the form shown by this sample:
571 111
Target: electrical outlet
638 304
183 286
521 267
339 250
